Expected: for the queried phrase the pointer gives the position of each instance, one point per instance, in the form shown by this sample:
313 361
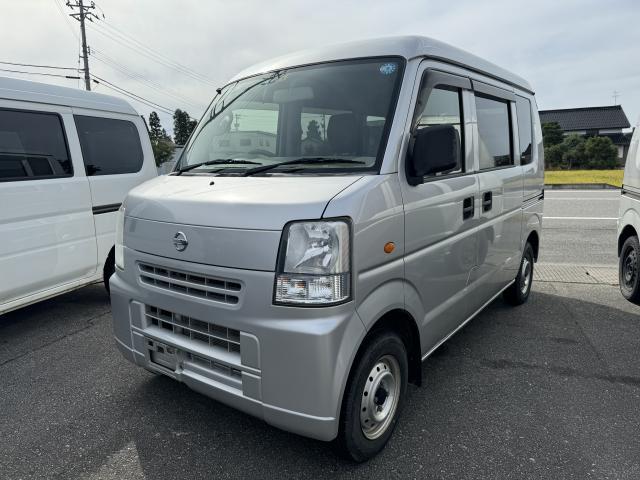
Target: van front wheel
109 269
630 270
373 397
518 292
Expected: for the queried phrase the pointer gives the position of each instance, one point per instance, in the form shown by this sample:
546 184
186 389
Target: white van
335 217
67 160
629 224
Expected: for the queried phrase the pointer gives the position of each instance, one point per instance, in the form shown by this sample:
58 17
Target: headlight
119 249
314 265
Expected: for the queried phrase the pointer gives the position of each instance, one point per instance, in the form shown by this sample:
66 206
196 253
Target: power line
150 54
40 73
38 66
66 19
103 58
132 95
116 30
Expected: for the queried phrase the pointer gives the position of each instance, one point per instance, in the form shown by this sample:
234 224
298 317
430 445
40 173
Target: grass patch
610 177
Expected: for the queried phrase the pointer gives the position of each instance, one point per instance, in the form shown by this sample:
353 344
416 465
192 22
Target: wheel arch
534 240
401 322
627 232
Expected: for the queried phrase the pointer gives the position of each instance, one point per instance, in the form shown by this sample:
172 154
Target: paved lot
580 227
547 390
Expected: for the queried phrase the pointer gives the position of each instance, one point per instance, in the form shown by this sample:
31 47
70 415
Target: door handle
468 208
487 201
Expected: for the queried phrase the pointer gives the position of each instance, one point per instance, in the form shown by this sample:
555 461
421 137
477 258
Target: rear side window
109 146
494 129
444 107
32 146
523 109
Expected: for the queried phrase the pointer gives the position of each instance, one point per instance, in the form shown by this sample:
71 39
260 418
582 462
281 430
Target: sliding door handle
468 207
487 201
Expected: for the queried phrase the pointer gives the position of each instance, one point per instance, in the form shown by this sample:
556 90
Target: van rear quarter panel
112 189
629 212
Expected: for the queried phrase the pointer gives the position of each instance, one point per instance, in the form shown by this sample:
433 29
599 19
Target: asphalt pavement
580 227
550 390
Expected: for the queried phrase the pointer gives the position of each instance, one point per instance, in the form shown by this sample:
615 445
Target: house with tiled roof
607 121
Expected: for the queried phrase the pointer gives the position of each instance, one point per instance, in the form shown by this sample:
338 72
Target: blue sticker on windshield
388 68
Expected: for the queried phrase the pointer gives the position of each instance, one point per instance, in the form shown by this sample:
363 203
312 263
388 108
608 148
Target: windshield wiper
218 161
304 160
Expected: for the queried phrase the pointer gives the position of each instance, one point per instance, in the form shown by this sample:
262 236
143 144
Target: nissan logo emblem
180 241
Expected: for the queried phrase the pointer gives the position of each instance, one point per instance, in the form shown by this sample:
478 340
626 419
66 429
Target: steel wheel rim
629 268
525 274
380 396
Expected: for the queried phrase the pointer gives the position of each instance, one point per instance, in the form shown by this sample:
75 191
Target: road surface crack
90 323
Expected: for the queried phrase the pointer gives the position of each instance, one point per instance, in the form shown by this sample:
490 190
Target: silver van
629 224
336 216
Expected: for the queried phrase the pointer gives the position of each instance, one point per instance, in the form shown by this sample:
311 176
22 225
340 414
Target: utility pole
615 96
84 12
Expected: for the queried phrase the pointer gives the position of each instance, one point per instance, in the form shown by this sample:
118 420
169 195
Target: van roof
27 91
404 46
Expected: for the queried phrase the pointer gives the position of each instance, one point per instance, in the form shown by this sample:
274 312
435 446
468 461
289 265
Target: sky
574 53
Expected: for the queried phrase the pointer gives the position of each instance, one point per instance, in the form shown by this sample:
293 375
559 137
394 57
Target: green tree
554 155
573 155
601 153
183 125
313 130
161 142
155 127
576 151
551 134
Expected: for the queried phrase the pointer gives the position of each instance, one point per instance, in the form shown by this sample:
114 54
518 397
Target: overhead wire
178 65
72 77
115 34
37 66
105 59
66 19
148 53
132 95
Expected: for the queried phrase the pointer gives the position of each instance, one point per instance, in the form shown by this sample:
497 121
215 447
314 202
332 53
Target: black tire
629 270
109 269
381 350
518 292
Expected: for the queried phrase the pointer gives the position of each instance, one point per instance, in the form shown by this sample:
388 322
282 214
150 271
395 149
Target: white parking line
579 218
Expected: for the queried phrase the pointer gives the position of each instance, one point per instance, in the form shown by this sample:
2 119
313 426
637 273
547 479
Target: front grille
213 365
202 332
201 286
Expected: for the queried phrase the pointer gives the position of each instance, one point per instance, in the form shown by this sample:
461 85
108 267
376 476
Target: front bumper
286 365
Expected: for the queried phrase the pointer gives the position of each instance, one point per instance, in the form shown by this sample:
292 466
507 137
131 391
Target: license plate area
162 354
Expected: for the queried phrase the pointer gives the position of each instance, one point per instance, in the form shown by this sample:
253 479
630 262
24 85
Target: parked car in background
336 216
629 224
67 160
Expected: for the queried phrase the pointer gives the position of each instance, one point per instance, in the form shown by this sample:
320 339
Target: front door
440 215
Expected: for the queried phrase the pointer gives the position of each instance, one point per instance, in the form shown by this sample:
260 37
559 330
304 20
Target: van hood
256 203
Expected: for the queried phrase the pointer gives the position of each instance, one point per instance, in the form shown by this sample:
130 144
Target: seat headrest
342 133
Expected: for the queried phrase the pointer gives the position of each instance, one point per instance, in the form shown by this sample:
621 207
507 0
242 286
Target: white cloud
574 53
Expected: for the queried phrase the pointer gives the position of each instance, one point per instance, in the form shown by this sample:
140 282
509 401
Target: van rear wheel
629 270
374 397
518 292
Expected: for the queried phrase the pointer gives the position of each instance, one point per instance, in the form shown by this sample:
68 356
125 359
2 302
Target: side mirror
436 149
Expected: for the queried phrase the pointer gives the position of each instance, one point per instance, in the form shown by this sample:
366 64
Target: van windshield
325 118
